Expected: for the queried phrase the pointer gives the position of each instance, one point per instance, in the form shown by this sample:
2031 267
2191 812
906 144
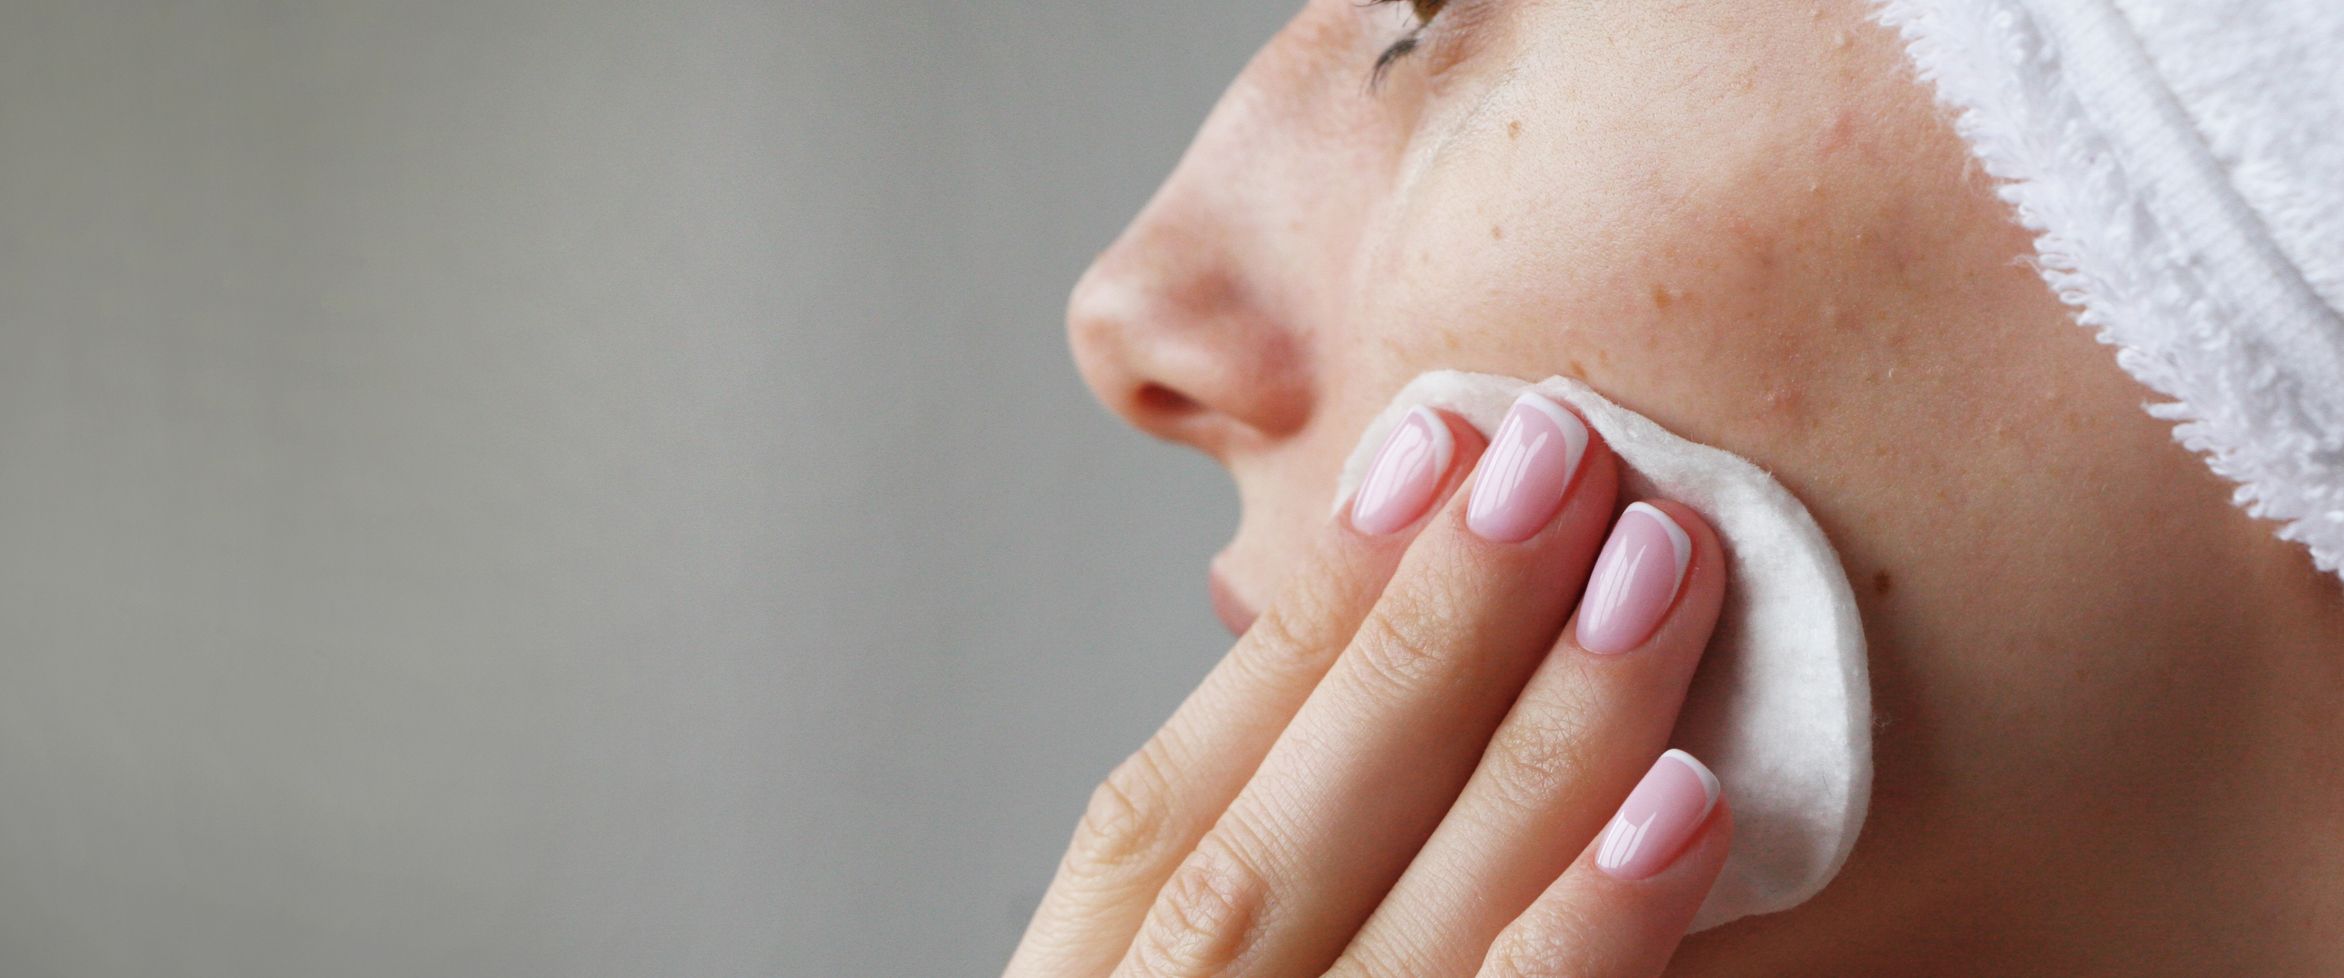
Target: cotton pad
1781 707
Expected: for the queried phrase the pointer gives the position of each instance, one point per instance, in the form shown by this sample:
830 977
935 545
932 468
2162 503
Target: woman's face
1749 222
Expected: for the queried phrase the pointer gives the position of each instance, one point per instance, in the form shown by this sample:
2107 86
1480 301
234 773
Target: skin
2108 737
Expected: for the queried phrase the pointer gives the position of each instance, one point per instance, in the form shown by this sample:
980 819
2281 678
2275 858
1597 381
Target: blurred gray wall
591 488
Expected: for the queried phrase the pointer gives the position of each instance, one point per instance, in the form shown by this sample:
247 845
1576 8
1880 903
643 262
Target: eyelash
1425 10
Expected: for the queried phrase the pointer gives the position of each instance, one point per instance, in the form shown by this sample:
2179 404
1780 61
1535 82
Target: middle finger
1585 727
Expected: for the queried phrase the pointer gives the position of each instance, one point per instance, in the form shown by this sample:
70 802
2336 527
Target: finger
1623 907
1379 750
1573 743
1153 808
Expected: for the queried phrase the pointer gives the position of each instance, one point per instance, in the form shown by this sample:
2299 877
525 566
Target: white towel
2182 163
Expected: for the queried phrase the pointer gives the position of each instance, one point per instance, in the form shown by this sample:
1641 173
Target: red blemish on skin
1782 401
1837 135
1828 314
1754 244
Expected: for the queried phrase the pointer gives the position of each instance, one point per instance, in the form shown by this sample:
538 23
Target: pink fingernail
1658 818
1523 475
1635 580
1406 472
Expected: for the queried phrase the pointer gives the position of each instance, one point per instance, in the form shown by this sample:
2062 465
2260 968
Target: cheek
1690 303
1836 302
1742 252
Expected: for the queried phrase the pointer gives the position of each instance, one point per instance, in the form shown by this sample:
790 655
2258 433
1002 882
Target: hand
1407 765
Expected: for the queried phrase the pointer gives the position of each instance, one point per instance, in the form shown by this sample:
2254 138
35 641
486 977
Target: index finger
1154 807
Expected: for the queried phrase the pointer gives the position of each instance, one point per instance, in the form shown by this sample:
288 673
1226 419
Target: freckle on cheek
1514 129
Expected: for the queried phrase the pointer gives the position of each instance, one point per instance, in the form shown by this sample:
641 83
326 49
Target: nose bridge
1180 264
1180 325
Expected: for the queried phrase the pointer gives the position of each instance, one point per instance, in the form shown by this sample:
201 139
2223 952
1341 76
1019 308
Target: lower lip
1227 606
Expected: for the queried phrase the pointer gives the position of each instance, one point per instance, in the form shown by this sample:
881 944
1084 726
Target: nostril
1158 400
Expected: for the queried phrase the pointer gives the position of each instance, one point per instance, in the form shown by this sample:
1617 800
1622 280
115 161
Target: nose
1172 334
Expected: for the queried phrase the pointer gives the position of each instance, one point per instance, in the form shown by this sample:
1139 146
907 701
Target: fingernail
1522 476
1658 818
1406 472
1634 581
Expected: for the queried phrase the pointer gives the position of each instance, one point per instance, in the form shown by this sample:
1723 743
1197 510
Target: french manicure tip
1679 542
1709 782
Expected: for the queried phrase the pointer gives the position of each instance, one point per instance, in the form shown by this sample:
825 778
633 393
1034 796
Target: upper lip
1235 612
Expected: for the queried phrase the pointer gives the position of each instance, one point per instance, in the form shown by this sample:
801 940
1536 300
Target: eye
1425 11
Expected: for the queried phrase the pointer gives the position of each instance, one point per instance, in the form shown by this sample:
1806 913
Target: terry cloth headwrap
2182 163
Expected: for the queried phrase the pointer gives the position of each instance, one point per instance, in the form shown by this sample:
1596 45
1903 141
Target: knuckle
1363 960
1204 920
1406 647
1127 821
1548 942
1283 641
1538 756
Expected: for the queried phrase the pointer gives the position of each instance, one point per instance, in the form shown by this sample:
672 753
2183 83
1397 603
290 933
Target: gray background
593 488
